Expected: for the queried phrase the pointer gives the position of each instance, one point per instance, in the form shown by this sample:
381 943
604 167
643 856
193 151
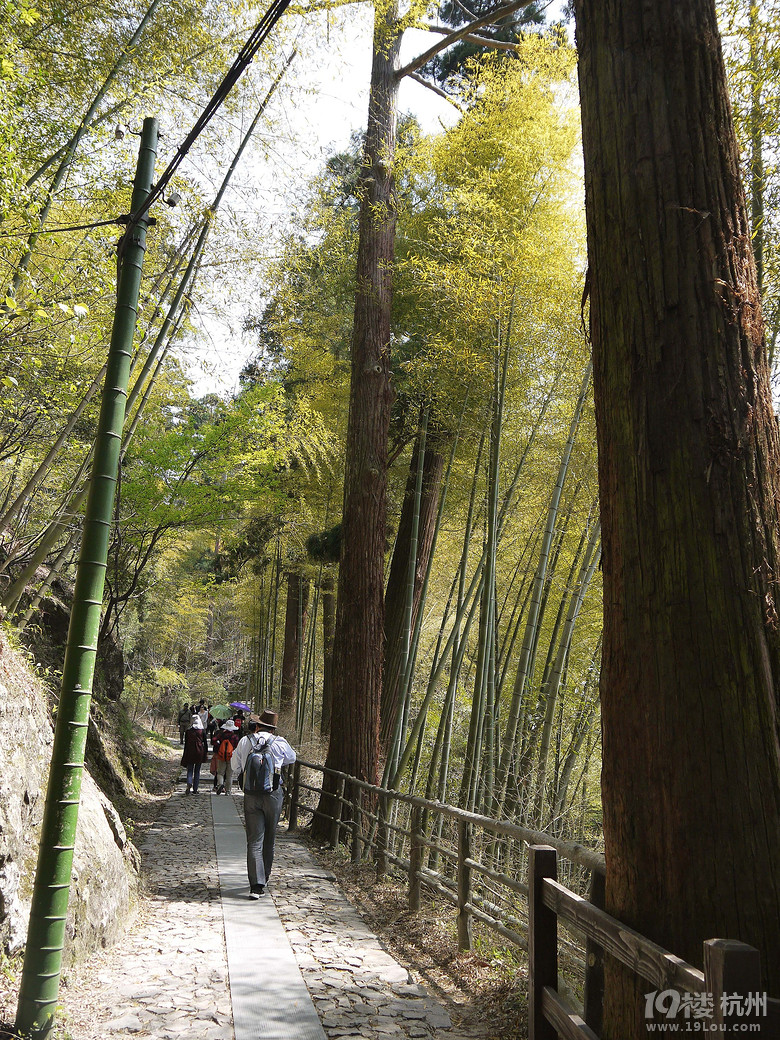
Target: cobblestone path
169 979
358 988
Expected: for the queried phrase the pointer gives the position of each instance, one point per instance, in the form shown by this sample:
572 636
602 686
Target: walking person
203 711
194 754
225 743
183 720
262 808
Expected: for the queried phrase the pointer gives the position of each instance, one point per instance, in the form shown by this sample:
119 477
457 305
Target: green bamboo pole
525 665
51 575
412 561
459 645
513 623
437 749
272 697
504 512
488 722
411 663
298 653
459 580
563 605
585 715
481 722
553 685
15 508
46 936
309 662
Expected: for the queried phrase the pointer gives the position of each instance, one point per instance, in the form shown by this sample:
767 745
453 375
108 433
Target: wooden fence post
594 961
415 858
732 975
381 837
464 885
292 824
542 940
335 827
357 820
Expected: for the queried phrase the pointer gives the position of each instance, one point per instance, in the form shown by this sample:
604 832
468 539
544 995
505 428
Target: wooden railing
475 863
730 967
509 878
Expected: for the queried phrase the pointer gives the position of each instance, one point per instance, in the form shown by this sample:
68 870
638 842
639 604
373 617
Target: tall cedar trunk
328 626
359 637
756 120
294 624
395 595
688 477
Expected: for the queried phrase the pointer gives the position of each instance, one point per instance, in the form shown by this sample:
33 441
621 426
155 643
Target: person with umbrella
240 716
222 712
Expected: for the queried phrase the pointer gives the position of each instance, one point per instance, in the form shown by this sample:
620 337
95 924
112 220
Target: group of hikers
248 747
197 728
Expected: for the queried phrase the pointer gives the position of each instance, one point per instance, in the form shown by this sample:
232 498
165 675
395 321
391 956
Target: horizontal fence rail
732 969
522 884
474 863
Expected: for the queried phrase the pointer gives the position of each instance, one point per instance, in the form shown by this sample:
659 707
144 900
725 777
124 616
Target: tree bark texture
688 476
359 637
328 626
395 594
294 625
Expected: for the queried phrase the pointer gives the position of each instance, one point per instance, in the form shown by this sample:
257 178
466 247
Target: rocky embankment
105 865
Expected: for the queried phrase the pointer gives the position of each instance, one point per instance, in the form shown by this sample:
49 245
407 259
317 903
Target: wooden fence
475 863
730 984
509 878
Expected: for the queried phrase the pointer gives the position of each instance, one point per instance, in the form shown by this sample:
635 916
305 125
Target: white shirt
281 752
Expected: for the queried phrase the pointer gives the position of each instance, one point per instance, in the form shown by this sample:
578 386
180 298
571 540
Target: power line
69 227
258 36
256 39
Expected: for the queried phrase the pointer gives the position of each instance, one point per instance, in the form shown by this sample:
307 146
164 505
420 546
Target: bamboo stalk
525 664
43 954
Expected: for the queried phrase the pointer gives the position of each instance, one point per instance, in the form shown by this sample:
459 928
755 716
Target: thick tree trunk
328 627
395 594
294 625
359 637
757 171
688 475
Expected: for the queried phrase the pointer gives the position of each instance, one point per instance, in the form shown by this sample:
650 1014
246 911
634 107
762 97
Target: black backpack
259 774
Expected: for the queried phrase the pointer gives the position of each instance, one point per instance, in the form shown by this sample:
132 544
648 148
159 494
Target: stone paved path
169 978
358 988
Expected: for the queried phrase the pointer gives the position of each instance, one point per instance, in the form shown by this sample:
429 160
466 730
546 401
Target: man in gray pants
262 811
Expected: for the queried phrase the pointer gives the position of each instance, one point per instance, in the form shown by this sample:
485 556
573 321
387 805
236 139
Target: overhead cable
258 36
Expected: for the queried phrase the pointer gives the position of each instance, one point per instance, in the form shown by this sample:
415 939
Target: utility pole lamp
46 935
